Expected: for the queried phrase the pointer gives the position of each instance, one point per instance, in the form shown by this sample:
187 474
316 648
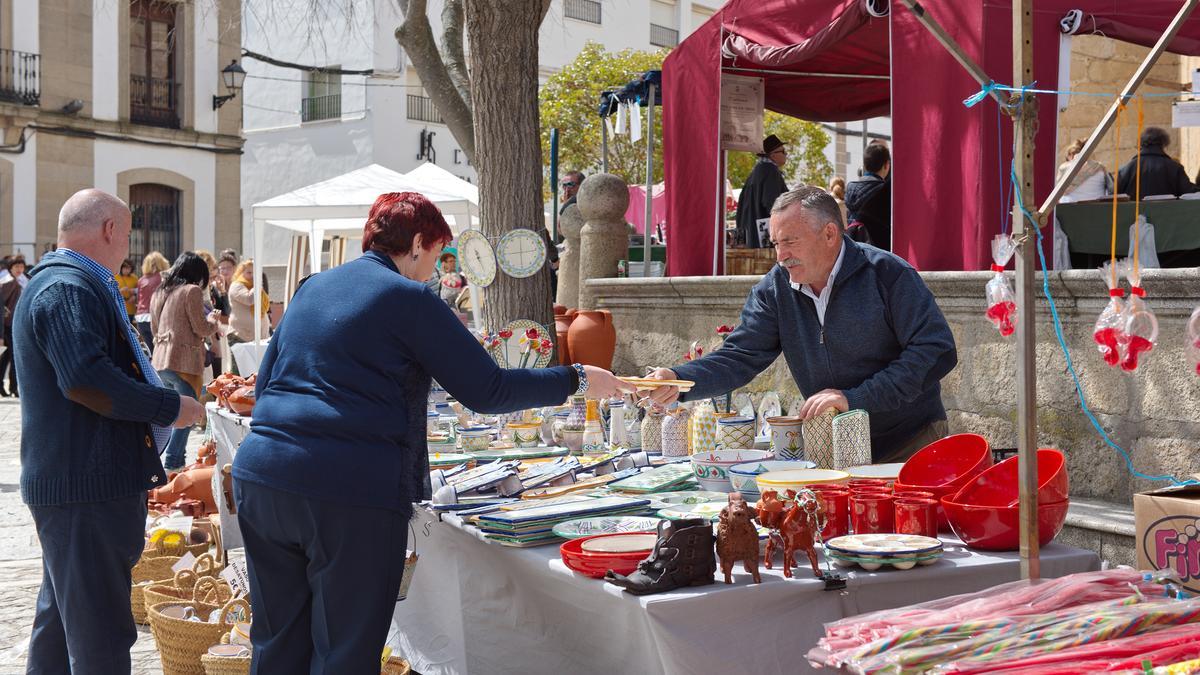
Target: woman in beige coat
241 306
180 327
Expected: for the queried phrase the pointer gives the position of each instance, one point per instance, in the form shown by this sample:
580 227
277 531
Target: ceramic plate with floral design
586 527
710 510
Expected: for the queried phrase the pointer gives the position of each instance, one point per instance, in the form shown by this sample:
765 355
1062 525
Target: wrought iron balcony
20 77
662 36
154 101
316 108
583 10
422 108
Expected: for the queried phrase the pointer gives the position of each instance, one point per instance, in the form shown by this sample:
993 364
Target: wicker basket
225 665
181 643
144 577
188 586
395 666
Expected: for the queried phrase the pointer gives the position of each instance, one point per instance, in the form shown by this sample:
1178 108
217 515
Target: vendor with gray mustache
857 325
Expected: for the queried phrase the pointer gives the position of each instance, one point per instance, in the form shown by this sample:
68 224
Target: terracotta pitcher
562 324
592 339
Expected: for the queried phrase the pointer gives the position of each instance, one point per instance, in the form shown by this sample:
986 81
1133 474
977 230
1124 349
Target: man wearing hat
758 194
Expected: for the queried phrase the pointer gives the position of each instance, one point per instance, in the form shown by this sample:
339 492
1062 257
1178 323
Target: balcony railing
154 101
583 10
20 77
422 108
316 108
662 36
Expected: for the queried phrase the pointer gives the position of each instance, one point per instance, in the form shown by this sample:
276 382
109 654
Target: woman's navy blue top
342 388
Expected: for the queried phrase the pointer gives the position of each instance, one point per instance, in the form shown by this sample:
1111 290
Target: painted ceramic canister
818 439
735 432
704 428
652 432
676 428
578 412
851 439
787 439
618 434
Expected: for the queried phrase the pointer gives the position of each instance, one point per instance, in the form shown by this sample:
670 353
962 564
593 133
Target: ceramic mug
525 434
787 437
916 516
872 513
474 441
836 503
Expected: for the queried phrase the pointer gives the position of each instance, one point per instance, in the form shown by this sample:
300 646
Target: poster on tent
741 113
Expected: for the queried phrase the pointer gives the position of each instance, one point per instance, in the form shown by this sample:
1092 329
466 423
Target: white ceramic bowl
712 468
795 479
743 476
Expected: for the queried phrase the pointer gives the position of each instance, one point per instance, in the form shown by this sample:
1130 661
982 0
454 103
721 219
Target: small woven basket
181 643
225 665
188 586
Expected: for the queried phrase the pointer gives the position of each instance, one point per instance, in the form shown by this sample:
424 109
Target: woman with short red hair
336 455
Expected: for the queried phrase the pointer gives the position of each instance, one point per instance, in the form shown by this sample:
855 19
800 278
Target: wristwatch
583 381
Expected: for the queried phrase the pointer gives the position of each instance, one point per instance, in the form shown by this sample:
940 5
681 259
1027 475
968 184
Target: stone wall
1155 413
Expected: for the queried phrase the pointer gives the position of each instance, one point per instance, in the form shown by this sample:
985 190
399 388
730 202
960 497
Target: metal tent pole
649 182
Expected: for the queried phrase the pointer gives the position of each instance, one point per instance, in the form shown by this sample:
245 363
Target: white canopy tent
339 206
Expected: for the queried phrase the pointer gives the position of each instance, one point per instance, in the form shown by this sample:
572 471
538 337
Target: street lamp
233 76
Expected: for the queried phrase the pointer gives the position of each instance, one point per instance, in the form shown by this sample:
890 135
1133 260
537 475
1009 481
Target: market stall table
228 430
1088 226
477 607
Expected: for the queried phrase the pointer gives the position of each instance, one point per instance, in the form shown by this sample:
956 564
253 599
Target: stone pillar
570 224
603 199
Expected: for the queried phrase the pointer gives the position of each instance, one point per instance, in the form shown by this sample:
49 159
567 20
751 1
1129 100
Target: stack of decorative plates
658 479
662 500
523 454
594 556
872 551
445 460
709 510
533 523
589 527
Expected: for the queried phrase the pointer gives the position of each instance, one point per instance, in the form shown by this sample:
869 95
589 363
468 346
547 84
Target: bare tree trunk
503 35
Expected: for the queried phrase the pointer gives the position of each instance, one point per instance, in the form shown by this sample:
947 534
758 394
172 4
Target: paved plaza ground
21 557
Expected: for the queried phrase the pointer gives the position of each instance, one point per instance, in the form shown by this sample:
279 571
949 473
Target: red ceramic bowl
997 528
997 486
596 564
949 462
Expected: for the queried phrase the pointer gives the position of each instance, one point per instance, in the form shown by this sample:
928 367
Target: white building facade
118 94
302 128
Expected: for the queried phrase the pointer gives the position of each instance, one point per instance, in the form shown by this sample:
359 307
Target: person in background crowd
93 418
452 283
869 199
569 187
336 455
232 255
837 189
10 294
180 326
218 299
241 306
4 263
764 184
153 265
1161 174
127 282
858 327
1092 182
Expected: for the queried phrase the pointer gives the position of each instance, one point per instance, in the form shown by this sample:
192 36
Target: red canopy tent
832 60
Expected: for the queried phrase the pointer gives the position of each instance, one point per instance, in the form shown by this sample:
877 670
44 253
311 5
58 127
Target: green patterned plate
586 527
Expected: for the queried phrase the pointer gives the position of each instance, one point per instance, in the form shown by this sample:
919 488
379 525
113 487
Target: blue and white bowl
742 476
711 467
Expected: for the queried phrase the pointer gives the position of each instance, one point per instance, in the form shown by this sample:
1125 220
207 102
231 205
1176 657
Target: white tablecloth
248 355
477 607
228 430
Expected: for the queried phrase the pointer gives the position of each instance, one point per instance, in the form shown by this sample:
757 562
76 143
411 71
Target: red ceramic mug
916 516
916 494
868 482
836 504
872 513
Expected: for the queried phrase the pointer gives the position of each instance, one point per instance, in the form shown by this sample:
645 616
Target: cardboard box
1168 532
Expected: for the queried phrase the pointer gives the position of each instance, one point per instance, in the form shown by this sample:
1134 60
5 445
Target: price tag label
185 563
238 578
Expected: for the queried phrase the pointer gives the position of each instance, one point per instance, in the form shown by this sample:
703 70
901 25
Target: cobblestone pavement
20 557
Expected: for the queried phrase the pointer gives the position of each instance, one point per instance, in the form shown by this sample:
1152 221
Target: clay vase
562 324
559 309
592 339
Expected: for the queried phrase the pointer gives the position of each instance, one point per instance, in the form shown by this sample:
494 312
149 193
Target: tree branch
416 36
452 48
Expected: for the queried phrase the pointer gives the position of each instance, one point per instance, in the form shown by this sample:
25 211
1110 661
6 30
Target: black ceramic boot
682 556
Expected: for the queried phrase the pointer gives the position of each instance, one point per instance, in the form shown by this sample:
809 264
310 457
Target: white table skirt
248 355
228 430
477 607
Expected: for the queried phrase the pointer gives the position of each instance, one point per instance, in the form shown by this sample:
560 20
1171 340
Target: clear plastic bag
1110 326
1001 299
1141 325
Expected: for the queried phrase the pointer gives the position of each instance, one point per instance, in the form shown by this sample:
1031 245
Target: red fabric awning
948 182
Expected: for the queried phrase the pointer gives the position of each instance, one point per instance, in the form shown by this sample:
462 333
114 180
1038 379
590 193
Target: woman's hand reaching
603 384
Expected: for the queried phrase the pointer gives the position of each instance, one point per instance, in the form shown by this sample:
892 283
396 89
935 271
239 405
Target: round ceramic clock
477 258
521 253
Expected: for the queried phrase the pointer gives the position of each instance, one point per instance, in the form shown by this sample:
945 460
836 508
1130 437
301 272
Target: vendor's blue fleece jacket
85 409
343 387
885 344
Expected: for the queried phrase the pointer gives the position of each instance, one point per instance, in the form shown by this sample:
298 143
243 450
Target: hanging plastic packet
1141 326
1110 325
1193 340
1001 299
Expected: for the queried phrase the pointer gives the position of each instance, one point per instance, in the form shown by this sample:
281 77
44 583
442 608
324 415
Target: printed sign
238 578
185 563
741 113
1167 525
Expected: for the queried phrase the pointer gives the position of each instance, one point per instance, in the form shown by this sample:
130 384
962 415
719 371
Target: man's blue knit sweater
85 409
885 344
